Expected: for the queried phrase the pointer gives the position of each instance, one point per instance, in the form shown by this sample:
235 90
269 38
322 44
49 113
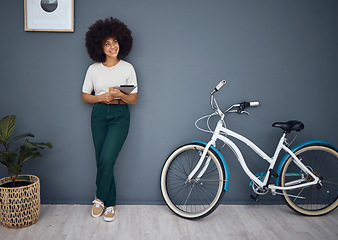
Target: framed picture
49 15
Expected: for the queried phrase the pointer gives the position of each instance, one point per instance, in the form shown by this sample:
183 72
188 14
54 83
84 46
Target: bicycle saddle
289 126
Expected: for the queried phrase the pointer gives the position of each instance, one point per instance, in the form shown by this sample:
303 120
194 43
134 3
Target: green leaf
15 169
23 178
31 156
3 161
20 137
7 125
49 145
14 165
28 151
37 144
28 144
8 159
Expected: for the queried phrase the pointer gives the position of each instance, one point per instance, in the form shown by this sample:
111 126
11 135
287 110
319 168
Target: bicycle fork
199 164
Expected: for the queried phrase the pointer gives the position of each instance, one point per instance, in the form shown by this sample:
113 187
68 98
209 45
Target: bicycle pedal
255 198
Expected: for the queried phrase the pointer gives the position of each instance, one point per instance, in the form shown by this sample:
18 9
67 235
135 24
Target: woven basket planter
20 206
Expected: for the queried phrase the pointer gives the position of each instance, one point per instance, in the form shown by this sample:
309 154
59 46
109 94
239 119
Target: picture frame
49 15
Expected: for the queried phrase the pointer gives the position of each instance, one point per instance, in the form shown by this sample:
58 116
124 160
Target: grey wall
281 53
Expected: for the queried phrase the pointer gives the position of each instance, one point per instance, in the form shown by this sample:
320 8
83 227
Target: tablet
126 89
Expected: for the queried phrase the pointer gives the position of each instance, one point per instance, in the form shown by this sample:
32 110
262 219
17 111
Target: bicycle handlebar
240 106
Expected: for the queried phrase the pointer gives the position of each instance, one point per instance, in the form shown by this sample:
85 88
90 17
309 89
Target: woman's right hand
106 97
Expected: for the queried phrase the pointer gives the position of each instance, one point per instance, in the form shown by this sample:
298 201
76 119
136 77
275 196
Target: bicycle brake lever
244 112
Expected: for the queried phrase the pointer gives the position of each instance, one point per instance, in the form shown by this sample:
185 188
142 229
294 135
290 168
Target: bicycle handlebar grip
254 104
218 87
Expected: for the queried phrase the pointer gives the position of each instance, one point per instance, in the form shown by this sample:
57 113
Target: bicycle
195 176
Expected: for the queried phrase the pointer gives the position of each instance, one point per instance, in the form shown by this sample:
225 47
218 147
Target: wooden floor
157 222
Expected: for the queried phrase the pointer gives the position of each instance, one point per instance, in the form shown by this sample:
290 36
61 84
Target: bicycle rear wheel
195 198
315 200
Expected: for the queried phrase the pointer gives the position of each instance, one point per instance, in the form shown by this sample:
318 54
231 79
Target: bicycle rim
197 198
319 199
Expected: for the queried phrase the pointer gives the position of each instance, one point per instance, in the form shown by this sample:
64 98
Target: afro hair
101 31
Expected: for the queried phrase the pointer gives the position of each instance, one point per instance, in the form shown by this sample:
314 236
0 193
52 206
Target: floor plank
147 222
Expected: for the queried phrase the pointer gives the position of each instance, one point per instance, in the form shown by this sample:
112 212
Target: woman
107 42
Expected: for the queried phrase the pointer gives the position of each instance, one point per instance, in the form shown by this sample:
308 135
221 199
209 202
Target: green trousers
110 126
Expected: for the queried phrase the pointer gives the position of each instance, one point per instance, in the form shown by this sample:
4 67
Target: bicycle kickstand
255 198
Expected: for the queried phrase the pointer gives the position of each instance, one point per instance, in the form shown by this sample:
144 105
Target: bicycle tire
192 200
315 200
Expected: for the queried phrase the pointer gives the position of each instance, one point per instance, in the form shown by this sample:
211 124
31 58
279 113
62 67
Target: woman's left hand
127 98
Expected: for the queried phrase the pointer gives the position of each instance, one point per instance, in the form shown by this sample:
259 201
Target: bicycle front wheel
314 200
195 198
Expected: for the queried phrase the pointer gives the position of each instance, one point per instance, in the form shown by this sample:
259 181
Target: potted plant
19 194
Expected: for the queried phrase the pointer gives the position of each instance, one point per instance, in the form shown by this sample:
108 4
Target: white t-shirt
100 78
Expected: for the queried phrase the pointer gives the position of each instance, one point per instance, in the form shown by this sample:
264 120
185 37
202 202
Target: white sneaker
98 208
109 214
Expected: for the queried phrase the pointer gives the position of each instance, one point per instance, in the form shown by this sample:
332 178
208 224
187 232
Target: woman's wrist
120 95
128 98
99 98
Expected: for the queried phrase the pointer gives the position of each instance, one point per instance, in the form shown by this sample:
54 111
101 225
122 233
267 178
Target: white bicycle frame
222 132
